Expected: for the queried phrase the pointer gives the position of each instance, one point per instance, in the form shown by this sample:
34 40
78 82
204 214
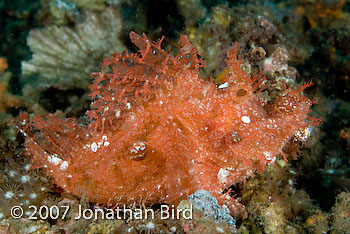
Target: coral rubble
63 57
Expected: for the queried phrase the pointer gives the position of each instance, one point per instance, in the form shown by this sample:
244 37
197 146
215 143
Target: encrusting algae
159 132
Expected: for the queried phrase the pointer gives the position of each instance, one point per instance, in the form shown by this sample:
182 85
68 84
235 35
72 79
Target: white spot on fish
222 175
245 119
224 85
94 147
64 166
54 159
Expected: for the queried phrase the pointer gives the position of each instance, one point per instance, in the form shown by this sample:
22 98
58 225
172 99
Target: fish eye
241 92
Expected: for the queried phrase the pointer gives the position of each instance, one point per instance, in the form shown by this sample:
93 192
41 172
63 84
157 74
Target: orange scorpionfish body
159 132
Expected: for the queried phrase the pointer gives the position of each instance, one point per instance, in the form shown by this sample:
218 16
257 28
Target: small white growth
150 225
117 113
9 195
268 65
137 147
224 85
25 179
173 229
290 182
219 230
12 173
128 105
267 155
304 134
69 176
64 166
54 159
33 196
245 119
94 147
23 132
29 213
26 167
222 175
32 228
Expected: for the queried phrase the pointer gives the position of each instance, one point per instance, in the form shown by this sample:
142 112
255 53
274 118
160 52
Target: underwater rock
203 200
